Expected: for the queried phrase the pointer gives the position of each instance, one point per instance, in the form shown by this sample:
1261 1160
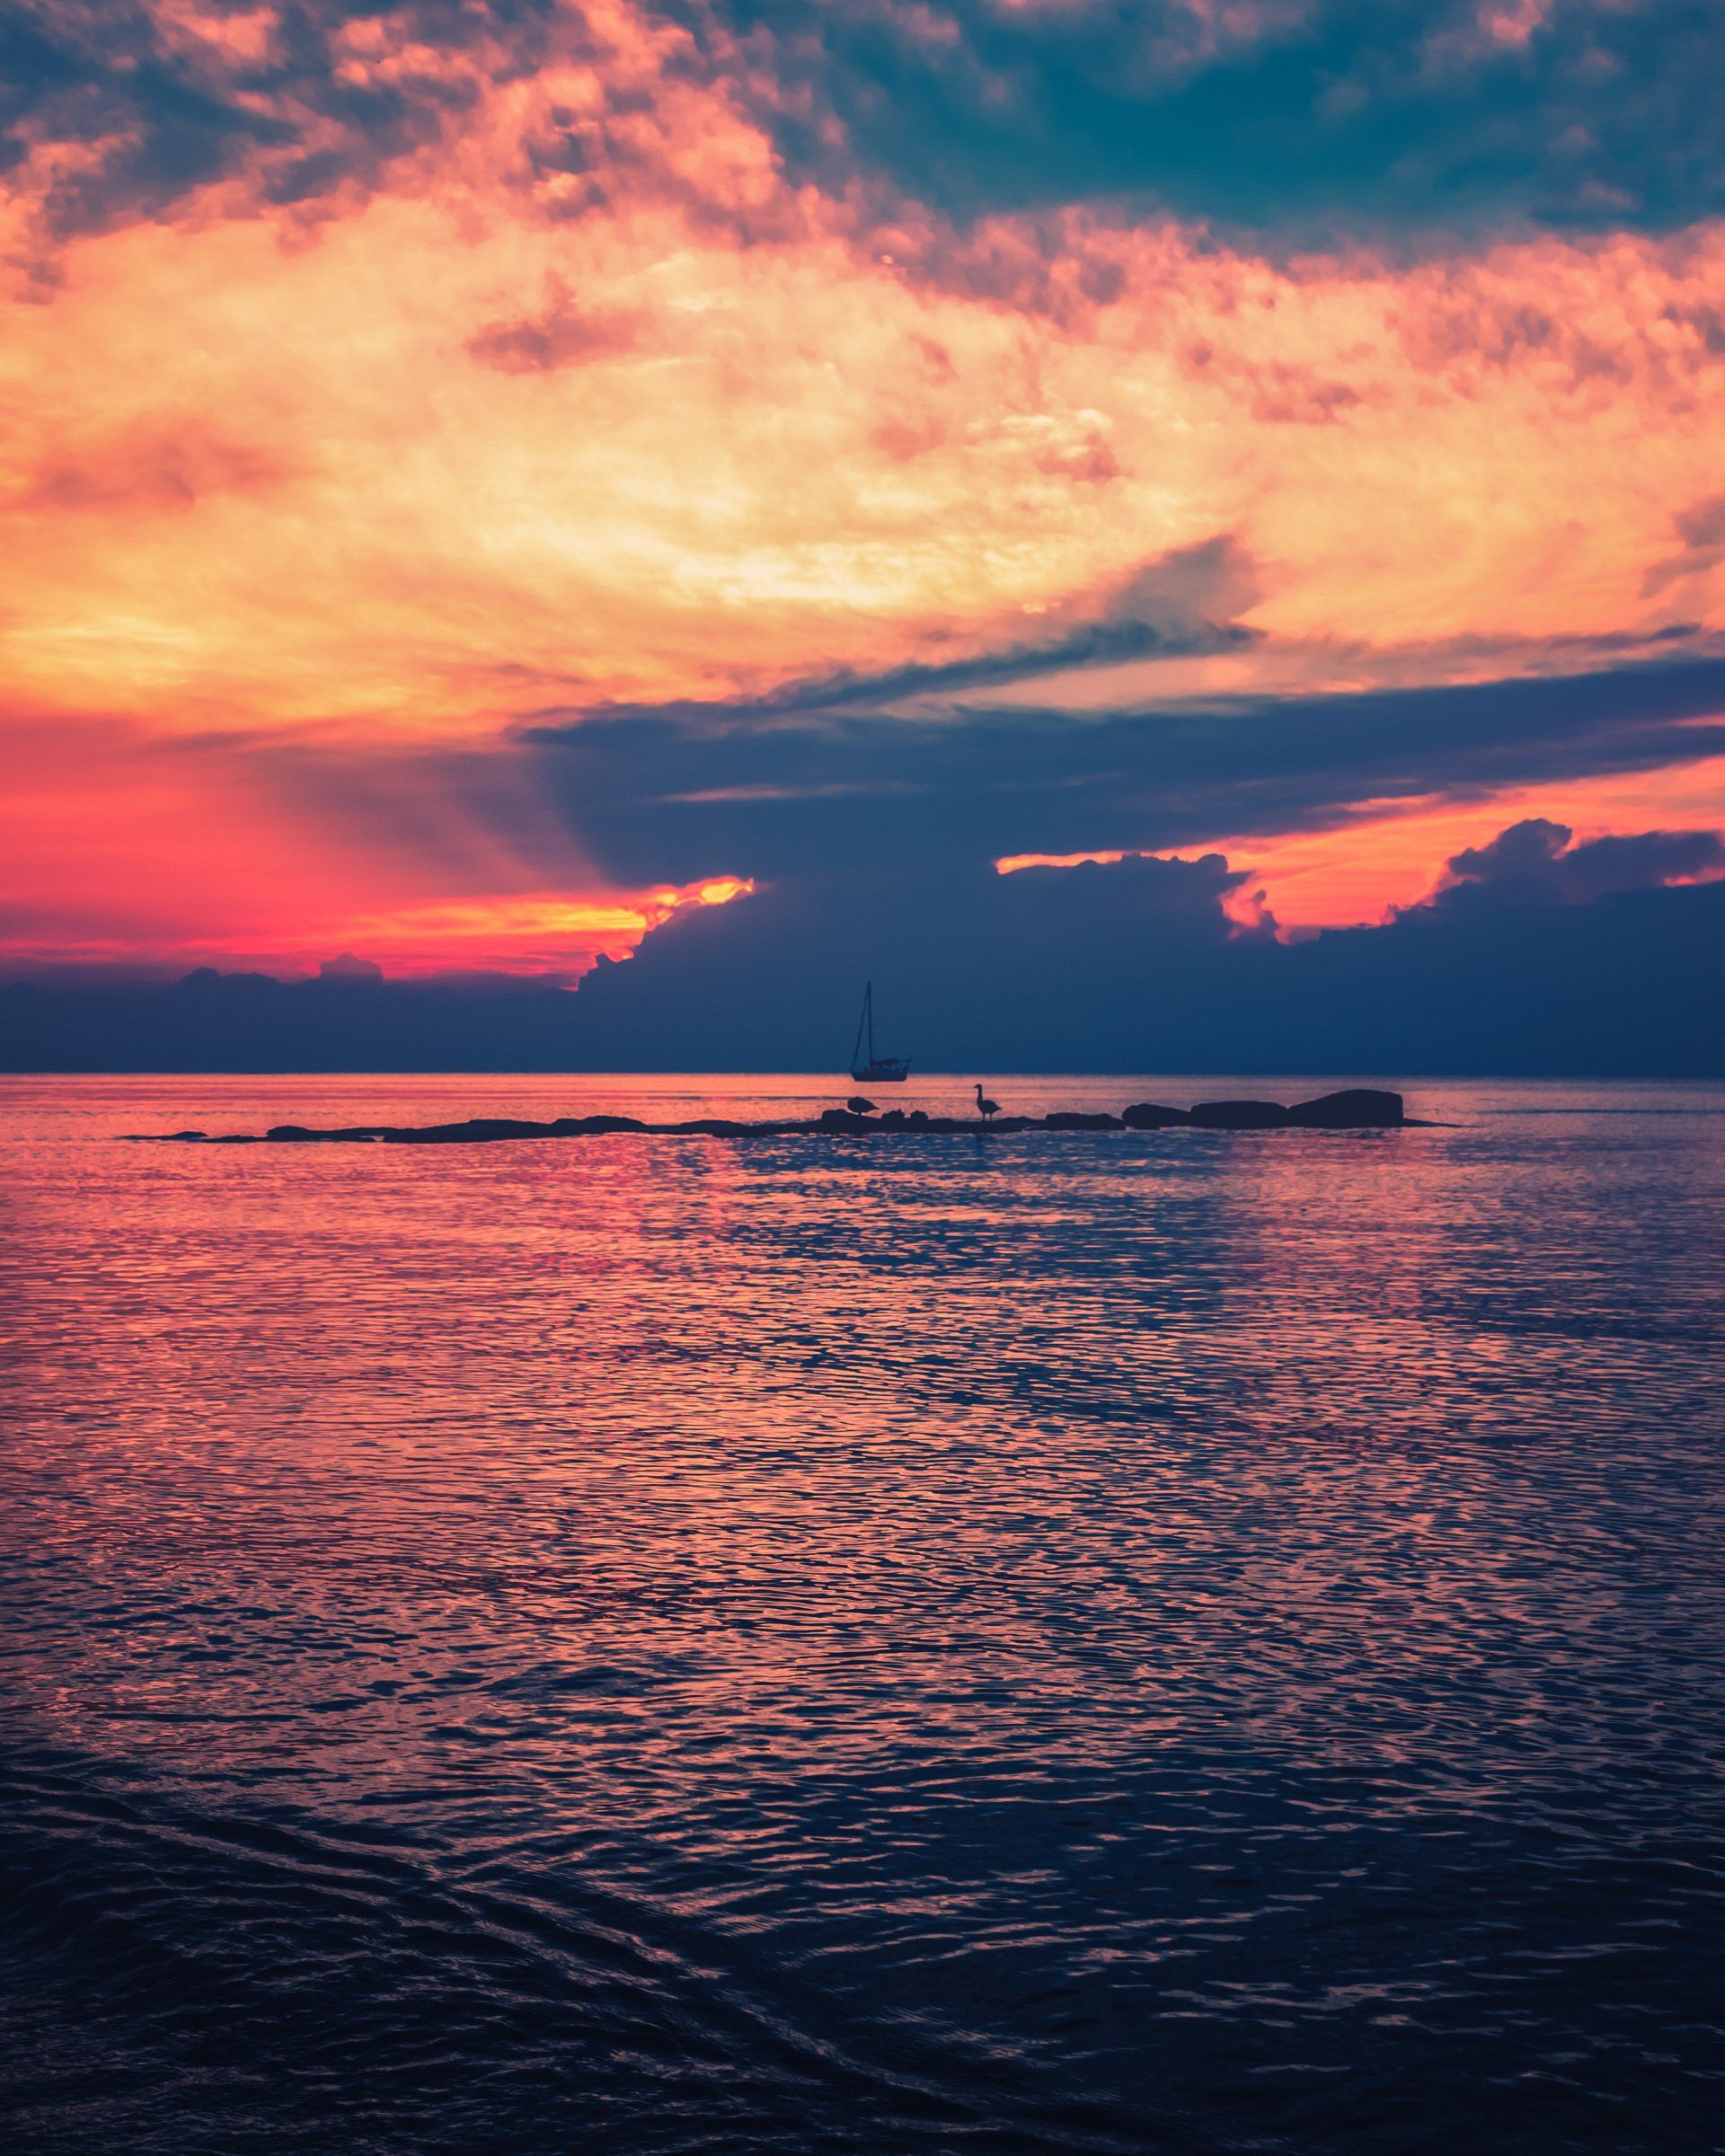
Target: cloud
148 469
1280 121
1536 861
819 441
1131 967
558 334
1177 605
770 792
122 110
214 1021
1701 537
350 971
1287 119
932 434
1136 965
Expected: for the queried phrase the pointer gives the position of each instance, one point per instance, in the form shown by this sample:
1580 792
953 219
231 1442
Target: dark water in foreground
1193 1641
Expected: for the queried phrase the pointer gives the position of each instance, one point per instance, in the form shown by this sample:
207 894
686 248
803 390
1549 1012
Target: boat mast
866 1020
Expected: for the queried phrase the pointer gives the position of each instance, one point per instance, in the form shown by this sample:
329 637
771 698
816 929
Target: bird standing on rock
858 1106
984 1106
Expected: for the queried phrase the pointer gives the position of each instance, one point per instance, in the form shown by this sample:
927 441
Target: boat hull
886 1070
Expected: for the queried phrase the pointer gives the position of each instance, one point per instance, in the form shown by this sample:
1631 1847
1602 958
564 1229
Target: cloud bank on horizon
483 483
1535 953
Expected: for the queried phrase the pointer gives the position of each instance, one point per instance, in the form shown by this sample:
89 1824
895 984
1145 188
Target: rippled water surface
1189 1641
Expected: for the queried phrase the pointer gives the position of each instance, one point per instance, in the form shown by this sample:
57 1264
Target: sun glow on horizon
554 937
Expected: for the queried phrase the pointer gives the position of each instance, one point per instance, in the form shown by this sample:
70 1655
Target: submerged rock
1069 1119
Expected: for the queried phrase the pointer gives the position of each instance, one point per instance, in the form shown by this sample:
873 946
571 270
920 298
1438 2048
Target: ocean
1185 1641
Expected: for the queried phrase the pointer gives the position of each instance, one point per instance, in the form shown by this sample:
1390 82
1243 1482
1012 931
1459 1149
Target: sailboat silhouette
875 1070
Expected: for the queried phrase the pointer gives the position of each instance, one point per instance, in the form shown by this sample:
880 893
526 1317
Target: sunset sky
474 477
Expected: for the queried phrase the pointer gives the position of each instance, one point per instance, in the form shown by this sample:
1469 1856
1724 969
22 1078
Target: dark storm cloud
765 790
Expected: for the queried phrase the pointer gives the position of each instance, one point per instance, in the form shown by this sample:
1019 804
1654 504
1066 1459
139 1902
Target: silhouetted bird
985 1108
858 1106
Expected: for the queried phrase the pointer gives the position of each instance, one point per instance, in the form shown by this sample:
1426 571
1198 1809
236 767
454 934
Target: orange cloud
1391 853
404 503
552 935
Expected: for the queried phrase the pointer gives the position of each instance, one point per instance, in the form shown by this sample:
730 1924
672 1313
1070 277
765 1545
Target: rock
1239 1115
718 1127
1358 1108
477 1130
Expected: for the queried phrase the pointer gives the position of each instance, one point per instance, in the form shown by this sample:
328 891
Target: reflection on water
1190 1641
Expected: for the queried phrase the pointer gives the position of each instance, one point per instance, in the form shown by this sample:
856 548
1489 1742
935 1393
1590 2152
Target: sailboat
872 1069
